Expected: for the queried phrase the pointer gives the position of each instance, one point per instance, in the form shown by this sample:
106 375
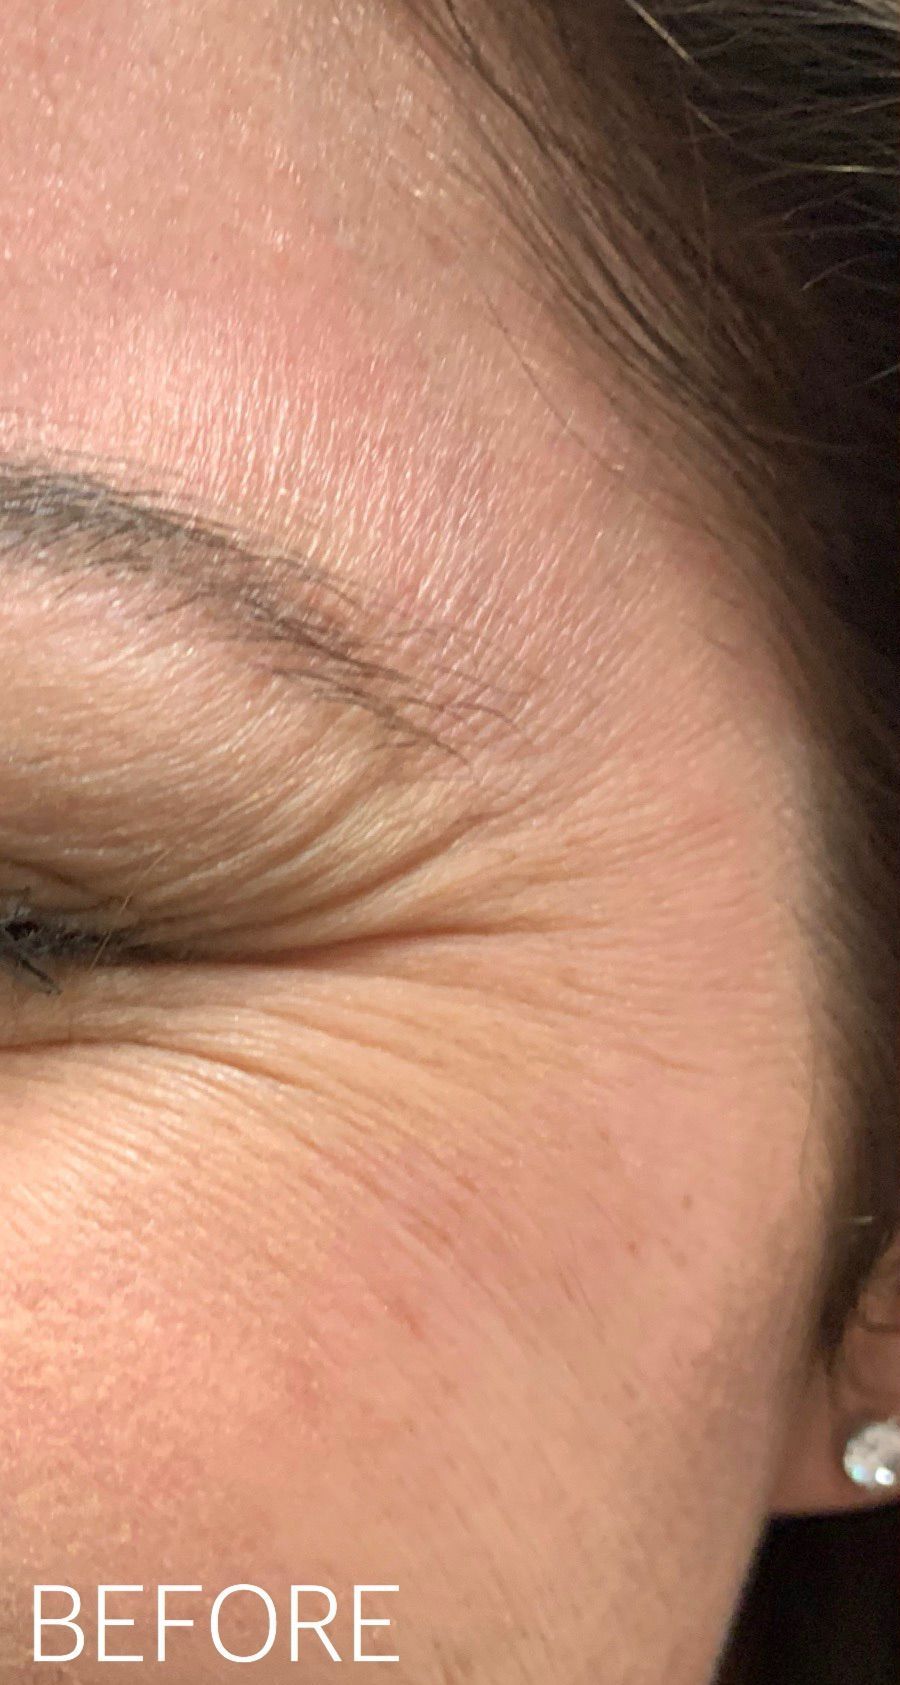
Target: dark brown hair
707 190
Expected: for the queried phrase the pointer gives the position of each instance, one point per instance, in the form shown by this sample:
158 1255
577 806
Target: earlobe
843 1443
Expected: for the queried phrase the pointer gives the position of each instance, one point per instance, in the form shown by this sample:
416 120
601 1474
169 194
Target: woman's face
442 1210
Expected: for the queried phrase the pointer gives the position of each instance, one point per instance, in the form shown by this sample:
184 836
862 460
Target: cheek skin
398 1321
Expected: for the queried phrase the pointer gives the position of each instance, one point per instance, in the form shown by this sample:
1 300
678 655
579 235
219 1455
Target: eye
31 940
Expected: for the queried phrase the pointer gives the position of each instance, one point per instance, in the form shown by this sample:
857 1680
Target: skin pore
443 1204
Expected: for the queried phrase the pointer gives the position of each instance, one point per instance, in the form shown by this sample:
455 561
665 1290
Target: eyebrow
306 624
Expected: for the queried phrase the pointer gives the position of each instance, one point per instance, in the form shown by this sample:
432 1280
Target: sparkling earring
872 1456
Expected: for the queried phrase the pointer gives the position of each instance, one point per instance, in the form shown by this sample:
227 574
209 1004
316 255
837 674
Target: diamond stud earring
872 1456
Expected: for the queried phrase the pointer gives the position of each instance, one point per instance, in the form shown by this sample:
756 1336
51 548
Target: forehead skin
449 1259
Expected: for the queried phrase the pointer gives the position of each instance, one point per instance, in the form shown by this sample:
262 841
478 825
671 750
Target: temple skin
451 1217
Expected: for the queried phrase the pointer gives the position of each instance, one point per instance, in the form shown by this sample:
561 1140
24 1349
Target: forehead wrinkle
312 628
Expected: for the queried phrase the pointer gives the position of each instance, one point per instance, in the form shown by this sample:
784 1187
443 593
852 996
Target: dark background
822 1606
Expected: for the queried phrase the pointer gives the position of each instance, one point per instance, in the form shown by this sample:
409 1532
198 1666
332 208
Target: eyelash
29 939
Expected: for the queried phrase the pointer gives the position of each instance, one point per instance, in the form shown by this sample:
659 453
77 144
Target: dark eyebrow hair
307 625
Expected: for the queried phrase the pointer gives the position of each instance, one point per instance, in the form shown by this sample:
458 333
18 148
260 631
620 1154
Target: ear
860 1385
